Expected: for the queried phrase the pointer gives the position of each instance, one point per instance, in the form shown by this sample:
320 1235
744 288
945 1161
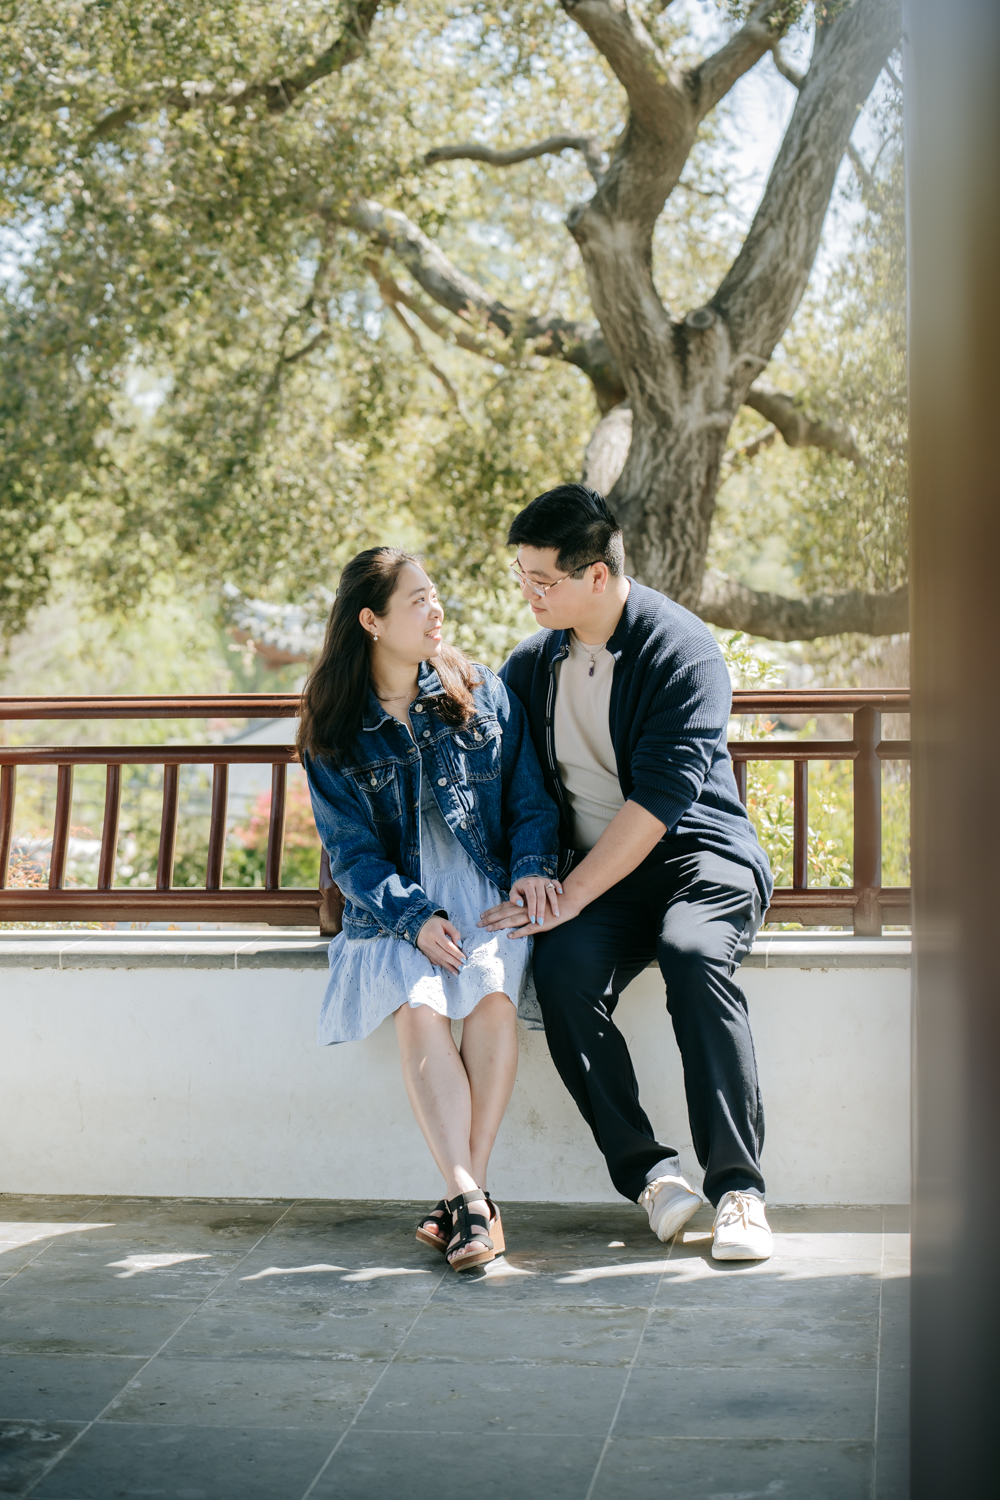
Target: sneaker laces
737 1209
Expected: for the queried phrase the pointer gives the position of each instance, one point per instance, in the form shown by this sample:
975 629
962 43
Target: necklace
592 654
394 697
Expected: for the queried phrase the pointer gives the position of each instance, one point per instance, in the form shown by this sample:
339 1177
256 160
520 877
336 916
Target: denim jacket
488 785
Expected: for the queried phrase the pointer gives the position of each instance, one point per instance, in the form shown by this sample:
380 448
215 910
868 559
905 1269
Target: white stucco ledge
297 950
117 1076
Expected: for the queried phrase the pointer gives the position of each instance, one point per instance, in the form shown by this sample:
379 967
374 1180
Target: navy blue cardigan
670 705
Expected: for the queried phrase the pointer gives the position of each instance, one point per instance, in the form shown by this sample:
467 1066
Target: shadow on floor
232 1350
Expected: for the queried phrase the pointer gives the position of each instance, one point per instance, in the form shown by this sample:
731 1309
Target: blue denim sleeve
679 737
530 817
357 859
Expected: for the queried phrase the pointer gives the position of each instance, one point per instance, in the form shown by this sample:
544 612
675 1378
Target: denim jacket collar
428 684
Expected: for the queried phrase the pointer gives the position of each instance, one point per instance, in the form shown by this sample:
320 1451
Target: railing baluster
868 902
8 788
168 830
217 827
800 825
867 823
109 833
60 827
275 829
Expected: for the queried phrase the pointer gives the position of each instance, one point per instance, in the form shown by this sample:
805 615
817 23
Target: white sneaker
669 1202
741 1230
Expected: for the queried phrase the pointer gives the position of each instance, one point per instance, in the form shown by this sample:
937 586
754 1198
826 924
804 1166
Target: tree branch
580 344
765 283
277 96
655 88
605 454
857 162
785 68
392 292
611 439
712 79
798 429
733 606
425 358
588 144
765 438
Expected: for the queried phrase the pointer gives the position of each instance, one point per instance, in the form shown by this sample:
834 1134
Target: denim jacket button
463 824
427 734
442 781
418 708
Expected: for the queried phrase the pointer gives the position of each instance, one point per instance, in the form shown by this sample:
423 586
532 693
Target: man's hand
515 919
624 844
441 942
530 900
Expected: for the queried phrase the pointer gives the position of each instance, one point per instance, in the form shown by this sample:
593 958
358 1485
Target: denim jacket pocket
476 750
379 785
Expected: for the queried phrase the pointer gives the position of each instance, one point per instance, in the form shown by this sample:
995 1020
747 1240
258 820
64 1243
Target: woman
429 800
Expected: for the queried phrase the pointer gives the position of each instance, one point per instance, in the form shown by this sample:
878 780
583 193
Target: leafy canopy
199 377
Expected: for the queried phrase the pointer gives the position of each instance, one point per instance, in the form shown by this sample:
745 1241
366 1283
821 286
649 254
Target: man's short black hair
577 521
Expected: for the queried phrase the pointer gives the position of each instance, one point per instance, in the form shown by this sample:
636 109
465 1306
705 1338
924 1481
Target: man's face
569 600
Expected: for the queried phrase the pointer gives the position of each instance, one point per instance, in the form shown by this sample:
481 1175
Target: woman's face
410 630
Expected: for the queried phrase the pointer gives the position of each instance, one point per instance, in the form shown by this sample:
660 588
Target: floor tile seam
878 1368
628 1375
354 1420
58 1458
215 1426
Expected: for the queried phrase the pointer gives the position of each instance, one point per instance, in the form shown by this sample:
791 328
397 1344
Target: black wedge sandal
470 1229
496 1226
439 1214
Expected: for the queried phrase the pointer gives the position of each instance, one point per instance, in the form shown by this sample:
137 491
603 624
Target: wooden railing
865 905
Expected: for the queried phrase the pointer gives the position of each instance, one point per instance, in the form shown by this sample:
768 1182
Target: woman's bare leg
489 1052
458 1099
438 1089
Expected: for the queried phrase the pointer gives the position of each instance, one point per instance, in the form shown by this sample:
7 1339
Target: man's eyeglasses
541 589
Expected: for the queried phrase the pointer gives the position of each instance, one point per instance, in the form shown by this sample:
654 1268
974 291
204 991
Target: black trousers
697 915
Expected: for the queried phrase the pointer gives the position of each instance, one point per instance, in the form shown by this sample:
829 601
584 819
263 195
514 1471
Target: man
628 698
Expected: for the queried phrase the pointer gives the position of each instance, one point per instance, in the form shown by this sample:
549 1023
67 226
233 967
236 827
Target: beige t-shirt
584 751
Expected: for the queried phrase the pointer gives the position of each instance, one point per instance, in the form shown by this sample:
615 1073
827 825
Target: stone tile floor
235 1350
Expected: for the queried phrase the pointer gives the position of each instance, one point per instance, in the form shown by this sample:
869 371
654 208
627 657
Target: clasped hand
441 942
534 902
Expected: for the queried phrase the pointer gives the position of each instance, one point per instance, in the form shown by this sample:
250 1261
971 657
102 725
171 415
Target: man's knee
556 962
685 964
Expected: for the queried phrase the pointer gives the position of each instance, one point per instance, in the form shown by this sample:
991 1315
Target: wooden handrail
863 904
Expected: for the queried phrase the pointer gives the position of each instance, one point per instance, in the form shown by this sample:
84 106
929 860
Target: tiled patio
277 1350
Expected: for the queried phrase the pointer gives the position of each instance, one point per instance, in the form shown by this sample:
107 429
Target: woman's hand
529 898
441 942
533 893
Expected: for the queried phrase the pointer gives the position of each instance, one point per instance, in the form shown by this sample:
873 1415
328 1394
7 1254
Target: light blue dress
372 977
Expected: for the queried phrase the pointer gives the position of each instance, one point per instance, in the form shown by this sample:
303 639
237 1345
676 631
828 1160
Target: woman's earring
374 635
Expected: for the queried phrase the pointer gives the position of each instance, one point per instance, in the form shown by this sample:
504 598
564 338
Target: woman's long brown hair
336 691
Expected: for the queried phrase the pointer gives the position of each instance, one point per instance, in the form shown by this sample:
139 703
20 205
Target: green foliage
831 794
247 849
198 378
808 521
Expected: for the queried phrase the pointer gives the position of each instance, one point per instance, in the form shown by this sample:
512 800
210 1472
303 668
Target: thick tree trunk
670 388
665 499
686 380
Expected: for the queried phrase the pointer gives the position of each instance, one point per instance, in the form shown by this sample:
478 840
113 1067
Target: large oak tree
219 197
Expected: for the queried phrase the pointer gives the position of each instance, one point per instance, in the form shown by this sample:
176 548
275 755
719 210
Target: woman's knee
494 1010
419 1021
